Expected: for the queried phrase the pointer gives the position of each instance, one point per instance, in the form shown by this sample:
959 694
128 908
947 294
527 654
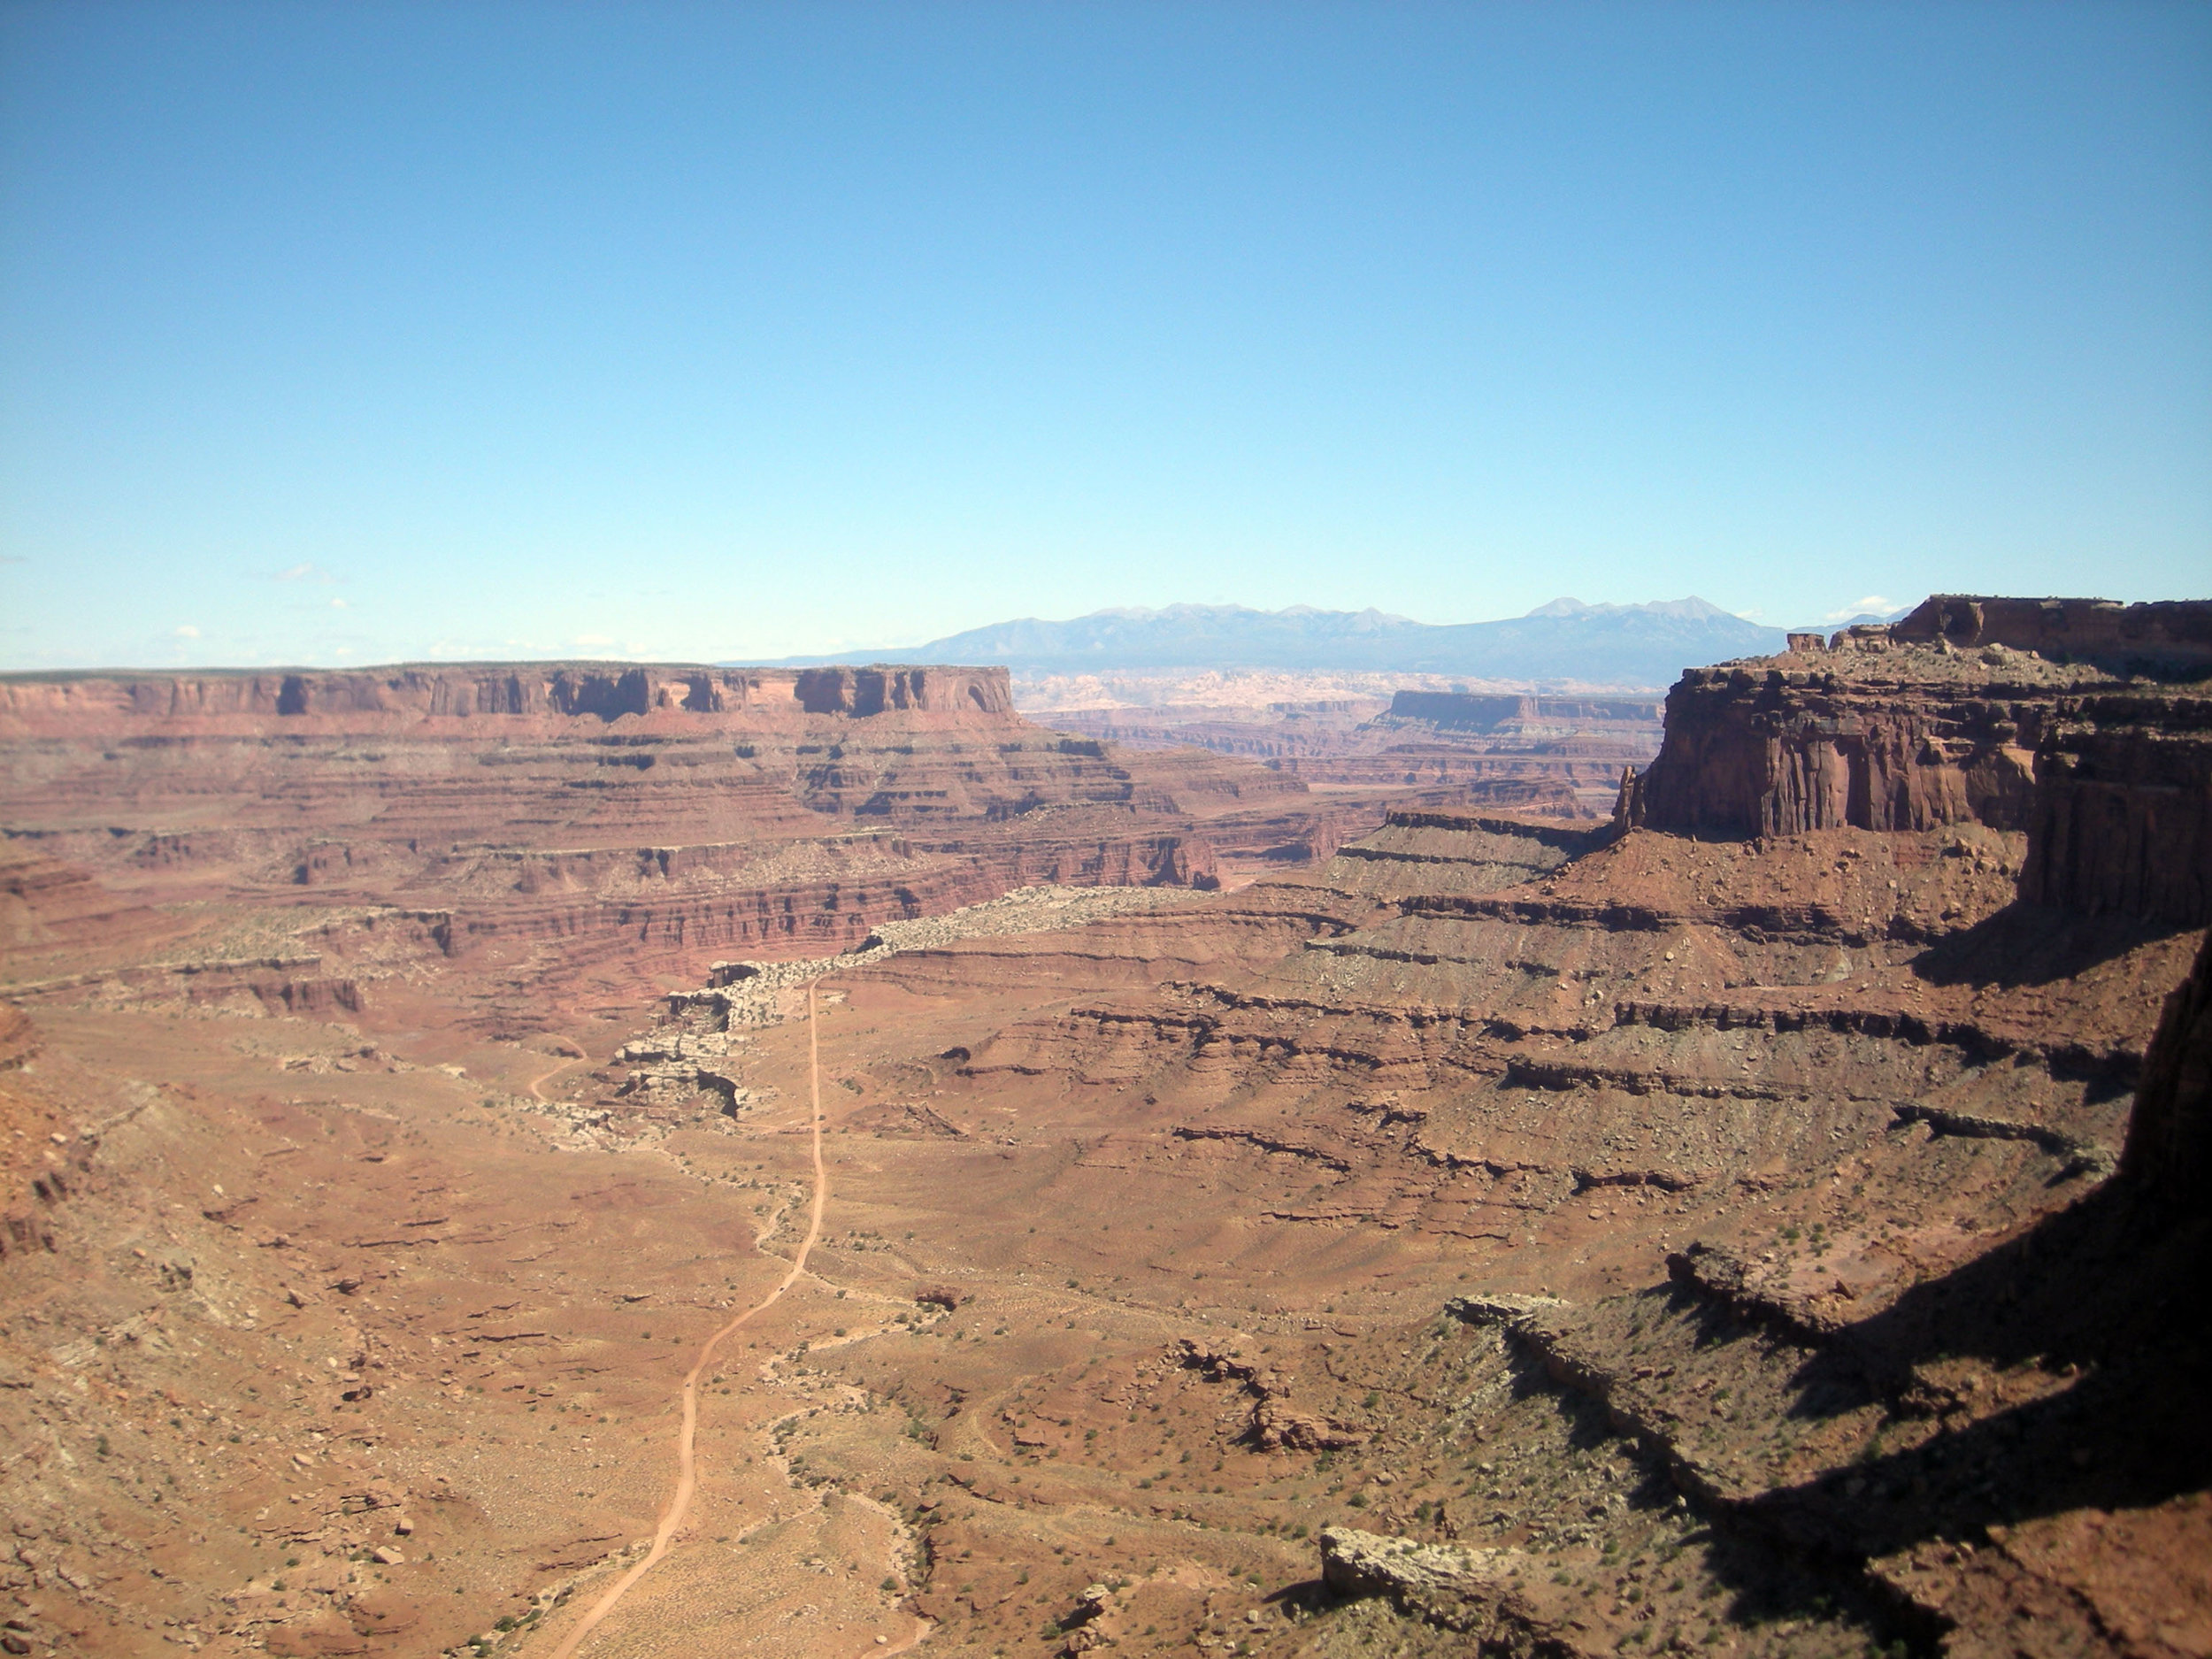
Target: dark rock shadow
2028 944
1769 1584
1309 1595
2110 1306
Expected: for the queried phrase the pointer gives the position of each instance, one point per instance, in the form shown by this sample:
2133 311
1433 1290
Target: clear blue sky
349 332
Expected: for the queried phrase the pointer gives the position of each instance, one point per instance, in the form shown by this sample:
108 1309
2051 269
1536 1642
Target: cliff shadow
2028 944
2107 1304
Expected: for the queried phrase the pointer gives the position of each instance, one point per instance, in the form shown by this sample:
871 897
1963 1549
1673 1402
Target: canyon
598 826
1389 1207
1504 748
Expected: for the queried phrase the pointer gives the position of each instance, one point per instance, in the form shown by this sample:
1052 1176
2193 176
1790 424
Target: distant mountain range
1642 646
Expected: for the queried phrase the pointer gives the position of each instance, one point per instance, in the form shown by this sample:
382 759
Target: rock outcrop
2027 728
2167 638
1356 1563
1896 741
1274 1423
1495 1598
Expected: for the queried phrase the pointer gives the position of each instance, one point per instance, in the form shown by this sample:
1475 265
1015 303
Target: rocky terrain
1768 1220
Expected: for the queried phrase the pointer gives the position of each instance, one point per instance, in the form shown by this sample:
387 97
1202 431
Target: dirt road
686 1469
538 1083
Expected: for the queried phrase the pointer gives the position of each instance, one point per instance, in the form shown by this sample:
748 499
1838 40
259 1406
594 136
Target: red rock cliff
1900 729
2123 813
1780 747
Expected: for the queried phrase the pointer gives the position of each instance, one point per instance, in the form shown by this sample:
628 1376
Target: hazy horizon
859 655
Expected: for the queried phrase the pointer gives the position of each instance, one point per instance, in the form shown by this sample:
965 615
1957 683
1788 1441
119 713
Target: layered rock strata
572 820
544 694
2121 817
1621 1242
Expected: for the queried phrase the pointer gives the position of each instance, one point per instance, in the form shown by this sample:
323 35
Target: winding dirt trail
687 1466
537 1083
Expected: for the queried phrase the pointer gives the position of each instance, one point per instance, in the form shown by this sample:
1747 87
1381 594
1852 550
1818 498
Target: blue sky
353 333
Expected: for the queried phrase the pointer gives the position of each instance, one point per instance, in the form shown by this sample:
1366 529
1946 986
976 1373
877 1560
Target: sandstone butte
1770 1220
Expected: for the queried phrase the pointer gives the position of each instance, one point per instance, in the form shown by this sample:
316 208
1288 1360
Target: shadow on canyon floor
2028 944
2094 1317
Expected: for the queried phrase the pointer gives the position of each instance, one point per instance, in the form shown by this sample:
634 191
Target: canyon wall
1701 1231
1779 749
2122 819
541 696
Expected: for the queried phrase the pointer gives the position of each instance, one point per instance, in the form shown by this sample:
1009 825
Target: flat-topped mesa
2016 714
545 696
866 691
1482 712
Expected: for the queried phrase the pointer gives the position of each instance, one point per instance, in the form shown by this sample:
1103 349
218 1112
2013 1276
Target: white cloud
338 605
592 639
305 571
186 631
1873 605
